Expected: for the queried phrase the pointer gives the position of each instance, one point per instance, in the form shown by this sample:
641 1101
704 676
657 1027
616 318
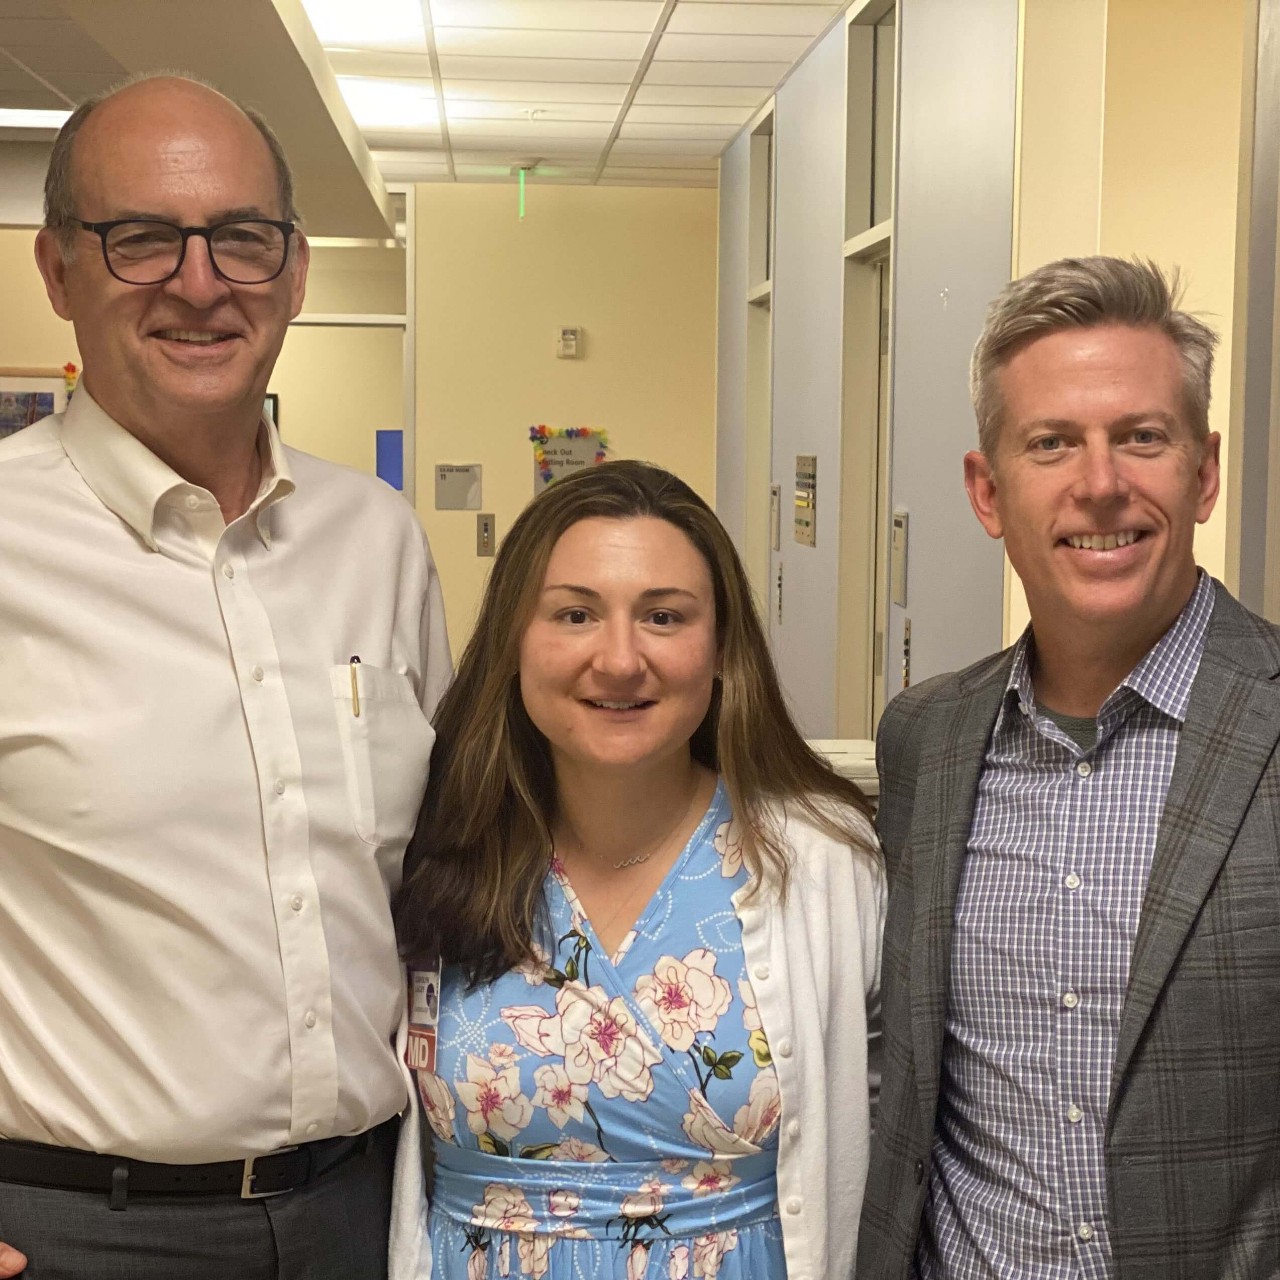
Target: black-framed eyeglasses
146 251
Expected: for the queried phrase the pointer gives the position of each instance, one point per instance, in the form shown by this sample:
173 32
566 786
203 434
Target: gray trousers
333 1229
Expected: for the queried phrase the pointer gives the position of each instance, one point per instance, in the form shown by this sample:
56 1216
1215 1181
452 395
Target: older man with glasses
218 657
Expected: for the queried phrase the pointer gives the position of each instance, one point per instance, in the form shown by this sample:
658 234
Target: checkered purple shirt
1047 912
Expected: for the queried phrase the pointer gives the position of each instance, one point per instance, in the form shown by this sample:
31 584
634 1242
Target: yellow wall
337 388
1130 144
356 278
30 334
1057 201
635 268
1171 158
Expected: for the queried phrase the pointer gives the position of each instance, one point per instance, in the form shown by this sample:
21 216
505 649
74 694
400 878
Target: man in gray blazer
1082 953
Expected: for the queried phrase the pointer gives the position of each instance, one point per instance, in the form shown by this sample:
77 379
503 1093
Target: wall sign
558 451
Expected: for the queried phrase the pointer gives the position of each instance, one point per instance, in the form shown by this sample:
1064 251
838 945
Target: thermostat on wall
569 343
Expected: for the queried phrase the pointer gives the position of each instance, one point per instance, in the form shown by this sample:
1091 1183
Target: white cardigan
814 963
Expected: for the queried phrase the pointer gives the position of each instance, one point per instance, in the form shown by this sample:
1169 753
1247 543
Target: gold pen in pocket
355 688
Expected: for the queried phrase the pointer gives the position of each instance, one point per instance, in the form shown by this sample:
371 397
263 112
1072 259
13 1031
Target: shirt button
192 502
1074 1114
1085 1232
296 902
793 1129
761 971
258 674
1072 881
1070 999
794 1205
310 1019
280 784
313 1127
228 570
1084 768
784 1048
919 1172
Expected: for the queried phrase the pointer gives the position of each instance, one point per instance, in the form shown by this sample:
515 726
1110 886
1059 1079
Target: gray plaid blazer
1193 1126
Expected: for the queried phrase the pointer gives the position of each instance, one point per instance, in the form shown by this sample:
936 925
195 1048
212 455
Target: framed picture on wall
272 408
27 395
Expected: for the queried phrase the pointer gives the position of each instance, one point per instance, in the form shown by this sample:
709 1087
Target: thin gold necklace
640 858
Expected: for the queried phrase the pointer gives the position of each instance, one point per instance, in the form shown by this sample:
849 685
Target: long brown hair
475 868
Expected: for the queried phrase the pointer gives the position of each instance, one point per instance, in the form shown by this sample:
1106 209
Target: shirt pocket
385 750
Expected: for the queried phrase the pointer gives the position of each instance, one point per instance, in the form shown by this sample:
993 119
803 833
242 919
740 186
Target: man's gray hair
1083 293
59 196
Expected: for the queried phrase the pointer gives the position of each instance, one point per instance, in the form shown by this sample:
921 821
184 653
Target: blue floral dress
603 1116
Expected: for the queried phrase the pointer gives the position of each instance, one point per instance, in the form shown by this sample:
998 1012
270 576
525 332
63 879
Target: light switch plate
484 534
898 559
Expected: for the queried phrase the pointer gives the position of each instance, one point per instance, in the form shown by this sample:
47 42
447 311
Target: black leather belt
35 1165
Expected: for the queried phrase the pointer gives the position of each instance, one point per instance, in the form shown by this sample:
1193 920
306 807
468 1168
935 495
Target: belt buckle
247 1191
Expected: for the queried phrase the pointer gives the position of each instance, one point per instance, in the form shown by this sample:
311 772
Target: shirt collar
132 482
1164 675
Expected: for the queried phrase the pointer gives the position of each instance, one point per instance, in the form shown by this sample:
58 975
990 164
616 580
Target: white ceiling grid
46 61
621 92
616 92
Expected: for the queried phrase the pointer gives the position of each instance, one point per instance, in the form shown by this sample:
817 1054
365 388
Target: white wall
808 305
731 341
952 252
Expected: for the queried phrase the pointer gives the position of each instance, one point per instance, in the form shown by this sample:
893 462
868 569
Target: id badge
424 1016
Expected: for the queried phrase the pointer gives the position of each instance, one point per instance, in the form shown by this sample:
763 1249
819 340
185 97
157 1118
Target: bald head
101 128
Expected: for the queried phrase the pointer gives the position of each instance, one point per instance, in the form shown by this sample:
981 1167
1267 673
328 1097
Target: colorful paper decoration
540 434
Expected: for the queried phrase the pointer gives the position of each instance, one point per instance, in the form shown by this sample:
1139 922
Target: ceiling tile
762 75
79 85
372 62
548 171
531 93
49 61
606 181
525 136
28 9
657 160
377 103
523 148
548 15
472 109
734 117
752 19
657 146
411 166
680 176
702 95
731 48
12 77
680 132
509 160
542 69
382 24
28 33
402 139
478 42
30 97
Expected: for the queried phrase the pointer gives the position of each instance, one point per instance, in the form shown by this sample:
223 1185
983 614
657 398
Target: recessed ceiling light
371 24
17 118
377 103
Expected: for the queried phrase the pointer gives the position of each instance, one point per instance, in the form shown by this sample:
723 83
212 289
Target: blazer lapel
1231 730
950 764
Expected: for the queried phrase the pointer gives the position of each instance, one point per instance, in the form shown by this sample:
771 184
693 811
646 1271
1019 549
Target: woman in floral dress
651 915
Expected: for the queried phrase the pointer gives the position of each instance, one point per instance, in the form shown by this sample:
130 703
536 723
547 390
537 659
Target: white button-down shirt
199 836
